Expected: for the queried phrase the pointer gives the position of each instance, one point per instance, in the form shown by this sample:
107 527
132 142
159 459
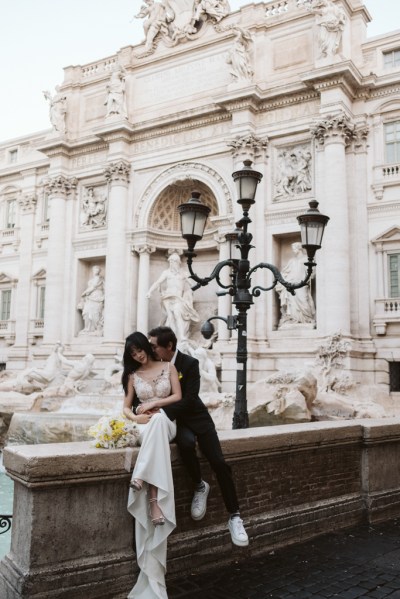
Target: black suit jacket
190 411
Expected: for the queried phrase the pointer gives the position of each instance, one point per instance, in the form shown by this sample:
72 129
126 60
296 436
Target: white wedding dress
153 466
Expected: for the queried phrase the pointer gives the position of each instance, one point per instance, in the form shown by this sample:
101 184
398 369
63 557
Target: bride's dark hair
135 340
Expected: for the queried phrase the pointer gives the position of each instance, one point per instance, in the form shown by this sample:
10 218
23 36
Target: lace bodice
148 389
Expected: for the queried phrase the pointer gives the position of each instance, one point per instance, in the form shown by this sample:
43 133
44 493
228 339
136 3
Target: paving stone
362 562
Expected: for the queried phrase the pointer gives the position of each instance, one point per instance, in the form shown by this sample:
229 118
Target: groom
194 421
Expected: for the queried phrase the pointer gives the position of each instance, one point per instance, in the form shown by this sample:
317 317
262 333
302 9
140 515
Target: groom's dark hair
164 335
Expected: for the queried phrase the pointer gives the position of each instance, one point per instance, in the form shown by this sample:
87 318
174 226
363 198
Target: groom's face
161 353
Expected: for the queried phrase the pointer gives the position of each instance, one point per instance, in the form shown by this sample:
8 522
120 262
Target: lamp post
193 221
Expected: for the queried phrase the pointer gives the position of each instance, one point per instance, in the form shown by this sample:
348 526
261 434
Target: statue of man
156 22
298 308
331 20
176 298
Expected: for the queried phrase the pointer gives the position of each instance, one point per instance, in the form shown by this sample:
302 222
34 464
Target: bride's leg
157 517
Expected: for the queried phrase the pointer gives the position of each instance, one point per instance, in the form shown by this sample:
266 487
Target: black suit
193 420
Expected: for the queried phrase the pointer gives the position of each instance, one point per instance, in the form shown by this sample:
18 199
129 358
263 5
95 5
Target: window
392 142
41 301
11 207
394 376
391 59
5 304
394 275
13 156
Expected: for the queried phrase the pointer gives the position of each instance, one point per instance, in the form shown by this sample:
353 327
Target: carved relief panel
93 207
293 171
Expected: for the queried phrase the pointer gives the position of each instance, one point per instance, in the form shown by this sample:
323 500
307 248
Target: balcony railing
386 175
387 311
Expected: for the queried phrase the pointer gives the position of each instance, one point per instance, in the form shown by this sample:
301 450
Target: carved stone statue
239 56
157 21
176 298
93 209
81 369
293 172
116 100
92 304
208 375
177 20
331 20
57 109
112 374
216 9
299 308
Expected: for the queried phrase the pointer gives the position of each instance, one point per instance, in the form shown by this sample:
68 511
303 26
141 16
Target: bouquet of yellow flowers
114 432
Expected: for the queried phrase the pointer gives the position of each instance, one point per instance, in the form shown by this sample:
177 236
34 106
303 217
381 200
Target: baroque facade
88 209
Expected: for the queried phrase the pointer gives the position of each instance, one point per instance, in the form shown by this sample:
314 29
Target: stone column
142 317
358 191
27 205
59 189
117 175
334 133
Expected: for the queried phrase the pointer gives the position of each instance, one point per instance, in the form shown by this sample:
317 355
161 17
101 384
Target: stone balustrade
73 537
387 311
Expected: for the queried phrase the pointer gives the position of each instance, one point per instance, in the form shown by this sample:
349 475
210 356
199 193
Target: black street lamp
193 221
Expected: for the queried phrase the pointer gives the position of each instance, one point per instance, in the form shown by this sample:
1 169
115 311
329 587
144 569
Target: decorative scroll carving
117 171
293 174
60 186
27 202
248 146
338 125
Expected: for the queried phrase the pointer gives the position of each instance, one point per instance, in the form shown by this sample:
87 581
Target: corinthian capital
60 186
248 146
117 171
27 202
333 127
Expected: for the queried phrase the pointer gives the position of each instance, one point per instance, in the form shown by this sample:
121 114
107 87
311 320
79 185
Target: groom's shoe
199 503
238 533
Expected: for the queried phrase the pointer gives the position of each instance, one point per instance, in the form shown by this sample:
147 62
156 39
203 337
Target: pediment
6 279
391 235
40 274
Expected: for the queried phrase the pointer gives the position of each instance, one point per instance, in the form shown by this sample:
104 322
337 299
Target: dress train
153 466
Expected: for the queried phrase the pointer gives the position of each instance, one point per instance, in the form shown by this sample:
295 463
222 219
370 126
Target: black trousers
210 447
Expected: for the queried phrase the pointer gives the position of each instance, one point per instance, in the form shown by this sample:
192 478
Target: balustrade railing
280 7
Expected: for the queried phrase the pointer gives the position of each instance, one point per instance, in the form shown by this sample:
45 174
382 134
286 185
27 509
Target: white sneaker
199 503
238 533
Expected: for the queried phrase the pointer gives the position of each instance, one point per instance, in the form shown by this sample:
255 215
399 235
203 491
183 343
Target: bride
149 385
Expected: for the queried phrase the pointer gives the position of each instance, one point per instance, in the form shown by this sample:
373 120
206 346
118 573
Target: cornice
181 125
344 75
383 208
71 148
283 216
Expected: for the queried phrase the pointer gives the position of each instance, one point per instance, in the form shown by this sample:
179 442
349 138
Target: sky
38 38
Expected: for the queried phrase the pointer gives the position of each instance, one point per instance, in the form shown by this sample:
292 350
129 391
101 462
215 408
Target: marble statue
239 56
116 100
92 304
176 298
299 308
293 171
93 209
81 369
57 109
215 9
157 21
174 21
331 20
112 374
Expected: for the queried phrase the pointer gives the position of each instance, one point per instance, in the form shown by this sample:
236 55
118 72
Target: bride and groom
161 387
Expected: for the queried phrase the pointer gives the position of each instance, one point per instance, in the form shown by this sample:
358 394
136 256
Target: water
6 507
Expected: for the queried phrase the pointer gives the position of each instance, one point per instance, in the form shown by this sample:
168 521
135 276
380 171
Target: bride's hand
149 406
143 418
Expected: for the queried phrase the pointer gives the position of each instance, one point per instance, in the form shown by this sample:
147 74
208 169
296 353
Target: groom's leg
186 441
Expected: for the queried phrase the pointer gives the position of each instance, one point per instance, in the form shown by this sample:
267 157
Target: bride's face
139 355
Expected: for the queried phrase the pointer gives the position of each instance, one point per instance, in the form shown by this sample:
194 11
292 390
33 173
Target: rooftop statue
177 20
57 109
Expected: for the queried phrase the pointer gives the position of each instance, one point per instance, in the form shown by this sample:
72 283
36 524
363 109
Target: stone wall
72 535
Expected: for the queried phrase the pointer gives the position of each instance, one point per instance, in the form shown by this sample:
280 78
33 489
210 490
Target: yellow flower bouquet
114 432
